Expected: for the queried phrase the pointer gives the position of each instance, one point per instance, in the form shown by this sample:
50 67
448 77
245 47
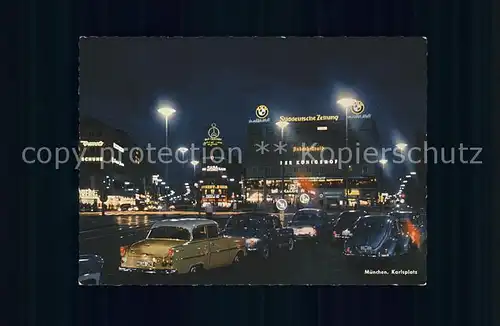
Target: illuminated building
310 163
219 172
101 143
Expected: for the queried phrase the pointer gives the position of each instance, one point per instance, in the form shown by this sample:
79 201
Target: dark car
345 223
90 269
262 233
376 237
311 224
415 224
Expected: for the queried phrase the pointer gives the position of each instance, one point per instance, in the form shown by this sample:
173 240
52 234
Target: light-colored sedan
179 246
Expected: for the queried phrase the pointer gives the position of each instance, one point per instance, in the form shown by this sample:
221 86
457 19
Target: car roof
354 211
379 215
186 223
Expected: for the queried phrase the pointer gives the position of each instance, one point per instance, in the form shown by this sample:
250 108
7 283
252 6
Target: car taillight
122 251
334 233
348 250
170 253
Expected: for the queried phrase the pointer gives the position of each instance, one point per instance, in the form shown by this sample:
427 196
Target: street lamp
282 125
413 173
408 176
167 112
401 146
183 151
347 103
194 163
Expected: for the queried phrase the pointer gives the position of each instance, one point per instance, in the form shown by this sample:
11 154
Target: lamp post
282 125
347 104
194 164
183 151
167 112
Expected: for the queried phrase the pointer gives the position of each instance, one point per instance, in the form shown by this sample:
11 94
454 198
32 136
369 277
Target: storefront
215 194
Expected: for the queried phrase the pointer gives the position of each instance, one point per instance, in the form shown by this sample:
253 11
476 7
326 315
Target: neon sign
91 143
317 117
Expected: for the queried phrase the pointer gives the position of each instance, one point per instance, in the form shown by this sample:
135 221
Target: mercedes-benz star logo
262 112
213 131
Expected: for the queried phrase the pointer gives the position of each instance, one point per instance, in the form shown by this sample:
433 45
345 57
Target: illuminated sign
117 162
213 168
214 187
304 199
88 194
358 107
92 159
118 147
91 143
262 114
317 117
213 136
364 116
309 162
322 128
354 192
308 148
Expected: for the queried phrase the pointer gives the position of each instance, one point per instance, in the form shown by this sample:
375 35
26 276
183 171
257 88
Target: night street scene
253 161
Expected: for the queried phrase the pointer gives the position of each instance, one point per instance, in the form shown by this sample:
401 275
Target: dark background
459 206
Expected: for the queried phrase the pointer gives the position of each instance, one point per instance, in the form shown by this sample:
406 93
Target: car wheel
195 269
291 244
237 259
266 252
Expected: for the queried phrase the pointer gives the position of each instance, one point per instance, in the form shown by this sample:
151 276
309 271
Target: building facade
109 165
309 159
220 171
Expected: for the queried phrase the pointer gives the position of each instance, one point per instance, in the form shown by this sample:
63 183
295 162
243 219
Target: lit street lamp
347 103
194 163
401 146
183 151
167 112
413 173
408 176
282 125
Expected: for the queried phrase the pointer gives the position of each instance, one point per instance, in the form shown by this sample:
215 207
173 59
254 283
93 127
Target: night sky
222 80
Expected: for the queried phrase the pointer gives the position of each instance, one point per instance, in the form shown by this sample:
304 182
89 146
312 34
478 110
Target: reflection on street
131 221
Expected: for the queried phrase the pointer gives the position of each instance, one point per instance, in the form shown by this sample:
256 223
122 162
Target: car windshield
305 216
371 225
170 232
244 222
347 219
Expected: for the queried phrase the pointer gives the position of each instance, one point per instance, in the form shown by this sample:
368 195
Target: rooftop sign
317 117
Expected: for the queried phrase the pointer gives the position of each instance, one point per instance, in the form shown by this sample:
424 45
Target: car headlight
252 242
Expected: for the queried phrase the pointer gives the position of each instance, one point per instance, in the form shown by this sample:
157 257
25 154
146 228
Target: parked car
415 224
184 245
345 223
311 224
262 233
90 269
378 237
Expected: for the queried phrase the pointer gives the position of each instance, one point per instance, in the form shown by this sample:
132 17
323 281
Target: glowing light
166 111
282 124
